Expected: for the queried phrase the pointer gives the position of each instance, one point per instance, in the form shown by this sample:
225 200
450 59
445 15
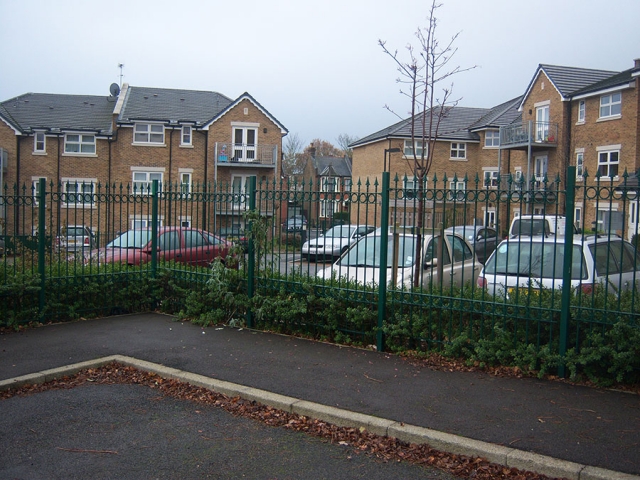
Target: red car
182 244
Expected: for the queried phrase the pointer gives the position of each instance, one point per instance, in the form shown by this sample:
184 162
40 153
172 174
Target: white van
538 225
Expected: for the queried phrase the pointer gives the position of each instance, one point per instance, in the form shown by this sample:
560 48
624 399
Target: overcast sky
316 66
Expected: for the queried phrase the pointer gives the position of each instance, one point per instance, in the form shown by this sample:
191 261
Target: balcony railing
242 153
533 133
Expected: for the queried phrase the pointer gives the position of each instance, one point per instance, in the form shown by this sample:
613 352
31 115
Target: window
328 208
78 191
409 149
39 143
410 187
35 188
244 144
152 133
577 217
144 221
579 165
239 185
185 184
492 138
80 144
542 123
608 163
491 179
458 150
611 105
329 184
169 241
456 191
581 111
186 135
142 182
346 184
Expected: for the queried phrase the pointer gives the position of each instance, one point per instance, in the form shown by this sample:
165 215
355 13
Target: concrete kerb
445 442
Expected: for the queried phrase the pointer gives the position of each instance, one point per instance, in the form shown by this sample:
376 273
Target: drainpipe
16 210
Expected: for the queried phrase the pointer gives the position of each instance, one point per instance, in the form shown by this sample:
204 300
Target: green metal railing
44 282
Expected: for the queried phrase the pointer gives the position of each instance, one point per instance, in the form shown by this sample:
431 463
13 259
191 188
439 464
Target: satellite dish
114 89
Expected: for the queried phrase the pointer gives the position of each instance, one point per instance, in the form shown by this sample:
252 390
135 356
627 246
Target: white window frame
239 185
327 182
35 184
185 184
410 187
492 139
346 184
577 216
148 133
141 180
78 195
186 136
144 221
580 164
39 143
458 151
457 190
605 160
245 151
490 178
611 105
408 150
582 111
85 143
326 212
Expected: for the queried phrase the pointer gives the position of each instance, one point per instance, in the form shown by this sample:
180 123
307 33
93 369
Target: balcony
241 154
534 134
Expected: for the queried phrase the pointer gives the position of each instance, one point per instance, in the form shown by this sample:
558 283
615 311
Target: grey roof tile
33 111
165 105
569 80
504 114
340 165
621 78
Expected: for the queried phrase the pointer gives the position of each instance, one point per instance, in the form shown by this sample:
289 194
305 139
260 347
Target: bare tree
292 151
344 140
424 69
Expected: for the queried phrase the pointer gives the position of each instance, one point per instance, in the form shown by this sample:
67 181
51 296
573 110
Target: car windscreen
366 252
131 239
530 226
76 232
534 259
339 232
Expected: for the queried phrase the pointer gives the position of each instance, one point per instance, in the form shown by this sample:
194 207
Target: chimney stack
636 63
312 150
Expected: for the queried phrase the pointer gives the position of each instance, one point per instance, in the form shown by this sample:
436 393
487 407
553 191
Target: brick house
567 116
331 177
185 139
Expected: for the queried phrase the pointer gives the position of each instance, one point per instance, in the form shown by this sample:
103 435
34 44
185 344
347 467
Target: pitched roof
620 79
170 105
454 126
44 111
339 166
504 114
247 96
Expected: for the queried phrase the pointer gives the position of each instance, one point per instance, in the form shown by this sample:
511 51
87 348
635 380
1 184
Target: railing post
251 263
384 243
42 237
565 310
154 235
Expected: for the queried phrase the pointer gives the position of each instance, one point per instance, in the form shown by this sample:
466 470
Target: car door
197 249
485 243
430 263
616 265
463 268
170 247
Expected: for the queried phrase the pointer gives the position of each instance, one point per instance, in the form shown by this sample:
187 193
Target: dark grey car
483 239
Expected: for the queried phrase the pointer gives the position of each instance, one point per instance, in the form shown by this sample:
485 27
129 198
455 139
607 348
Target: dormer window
148 133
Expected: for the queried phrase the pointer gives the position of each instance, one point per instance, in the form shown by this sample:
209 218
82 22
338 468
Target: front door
244 144
542 123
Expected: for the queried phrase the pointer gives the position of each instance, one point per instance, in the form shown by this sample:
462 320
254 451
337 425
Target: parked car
295 223
235 234
361 262
539 225
334 242
76 238
537 262
182 244
484 240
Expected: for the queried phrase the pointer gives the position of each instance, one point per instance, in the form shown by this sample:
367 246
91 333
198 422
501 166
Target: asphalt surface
588 426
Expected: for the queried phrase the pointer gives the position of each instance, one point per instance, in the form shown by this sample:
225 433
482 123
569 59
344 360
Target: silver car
484 240
361 263
534 263
334 242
